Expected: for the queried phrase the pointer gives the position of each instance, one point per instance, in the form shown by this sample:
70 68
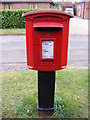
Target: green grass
20 94
12 31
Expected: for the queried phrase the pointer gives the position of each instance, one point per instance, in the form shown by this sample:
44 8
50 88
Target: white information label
47 49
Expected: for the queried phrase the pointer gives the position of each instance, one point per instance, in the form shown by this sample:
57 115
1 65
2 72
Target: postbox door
47 44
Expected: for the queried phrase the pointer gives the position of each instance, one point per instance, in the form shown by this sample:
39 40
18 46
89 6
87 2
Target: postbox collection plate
47 49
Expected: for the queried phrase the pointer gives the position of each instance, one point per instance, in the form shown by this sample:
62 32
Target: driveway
79 26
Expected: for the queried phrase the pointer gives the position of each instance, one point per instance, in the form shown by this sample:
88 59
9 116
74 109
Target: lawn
12 31
20 94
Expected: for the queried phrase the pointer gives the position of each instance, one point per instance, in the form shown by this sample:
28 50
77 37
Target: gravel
9 67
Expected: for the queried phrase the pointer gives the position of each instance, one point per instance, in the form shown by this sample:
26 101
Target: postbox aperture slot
47 49
47 29
47 26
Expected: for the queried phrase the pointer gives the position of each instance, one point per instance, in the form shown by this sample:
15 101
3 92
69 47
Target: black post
46 88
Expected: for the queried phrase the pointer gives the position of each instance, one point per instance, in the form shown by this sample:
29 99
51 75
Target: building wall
89 10
83 10
43 5
78 10
86 11
20 6
0 5
24 5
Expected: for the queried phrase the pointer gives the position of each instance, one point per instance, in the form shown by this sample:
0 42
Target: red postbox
47 39
47 47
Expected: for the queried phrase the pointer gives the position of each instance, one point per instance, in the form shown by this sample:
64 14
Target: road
12 50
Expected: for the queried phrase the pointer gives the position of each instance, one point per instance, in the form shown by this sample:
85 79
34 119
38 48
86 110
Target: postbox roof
46 12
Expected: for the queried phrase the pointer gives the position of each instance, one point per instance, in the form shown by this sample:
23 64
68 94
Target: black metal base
45 114
46 88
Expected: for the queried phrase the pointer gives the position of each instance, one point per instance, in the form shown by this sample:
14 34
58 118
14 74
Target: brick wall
24 5
43 5
86 11
82 10
20 5
2 6
89 10
78 10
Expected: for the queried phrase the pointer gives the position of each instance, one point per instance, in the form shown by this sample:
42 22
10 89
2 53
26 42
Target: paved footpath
12 50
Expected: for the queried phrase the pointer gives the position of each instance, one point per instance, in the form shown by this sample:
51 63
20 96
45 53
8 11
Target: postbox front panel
47 45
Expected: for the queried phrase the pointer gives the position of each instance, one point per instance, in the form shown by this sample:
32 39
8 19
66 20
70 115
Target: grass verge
12 31
20 94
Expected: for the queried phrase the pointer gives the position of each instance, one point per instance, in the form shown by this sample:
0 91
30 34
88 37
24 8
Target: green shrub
13 19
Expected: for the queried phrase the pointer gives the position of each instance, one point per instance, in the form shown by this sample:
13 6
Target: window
29 5
8 6
5 6
32 6
35 5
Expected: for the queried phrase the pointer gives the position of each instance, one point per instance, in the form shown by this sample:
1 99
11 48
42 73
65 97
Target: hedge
12 19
